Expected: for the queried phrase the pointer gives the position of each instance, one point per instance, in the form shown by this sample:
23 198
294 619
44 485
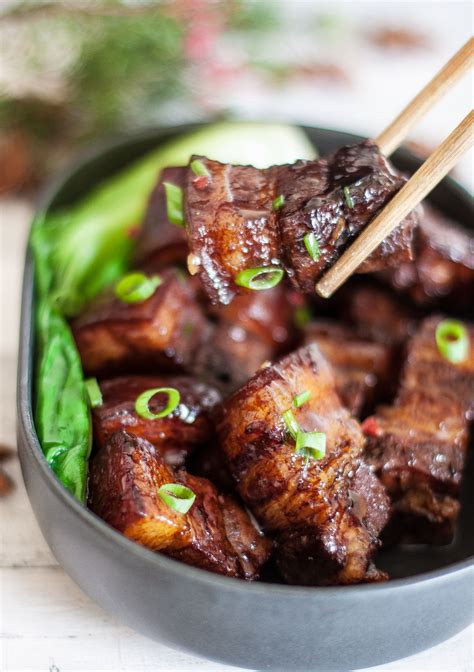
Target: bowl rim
88 517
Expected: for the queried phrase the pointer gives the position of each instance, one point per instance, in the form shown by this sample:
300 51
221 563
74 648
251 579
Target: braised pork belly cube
231 357
257 326
299 217
443 269
161 243
215 533
418 445
323 510
350 188
231 224
161 333
362 368
175 436
376 313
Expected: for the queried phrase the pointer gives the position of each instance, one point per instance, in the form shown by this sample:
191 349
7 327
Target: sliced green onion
136 287
264 277
199 169
278 202
174 203
143 409
302 316
348 197
93 392
452 340
312 246
301 399
311 444
291 423
178 497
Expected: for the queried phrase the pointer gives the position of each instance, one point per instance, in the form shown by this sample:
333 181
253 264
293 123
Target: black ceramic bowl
253 625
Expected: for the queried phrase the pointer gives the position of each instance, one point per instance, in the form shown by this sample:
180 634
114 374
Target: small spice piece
6 484
193 263
370 427
201 182
6 453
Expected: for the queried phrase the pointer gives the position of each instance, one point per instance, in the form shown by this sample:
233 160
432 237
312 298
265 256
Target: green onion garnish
301 399
311 444
174 203
291 423
199 168
312 246
136 287
348 197
264 277
143 410
178 497
452 340
93 392
278 202
302 316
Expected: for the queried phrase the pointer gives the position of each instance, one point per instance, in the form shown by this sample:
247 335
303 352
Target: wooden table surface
46 622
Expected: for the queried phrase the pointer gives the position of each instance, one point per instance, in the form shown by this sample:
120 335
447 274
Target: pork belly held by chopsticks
323 504
298 217
359 181
215 533
418 445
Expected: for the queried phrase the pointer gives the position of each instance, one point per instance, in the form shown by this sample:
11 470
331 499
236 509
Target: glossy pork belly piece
443 268
362 368
353 185
231 224
376 313
418 445
325 514
160 242
253 328
215 534
176 436
162 333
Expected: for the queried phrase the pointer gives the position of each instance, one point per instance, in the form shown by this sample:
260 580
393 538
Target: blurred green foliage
129 58
124 66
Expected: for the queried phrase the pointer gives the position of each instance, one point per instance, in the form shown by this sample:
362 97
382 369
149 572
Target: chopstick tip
323 291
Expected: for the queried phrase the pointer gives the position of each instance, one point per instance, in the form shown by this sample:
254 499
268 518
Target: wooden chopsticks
397 131
422 182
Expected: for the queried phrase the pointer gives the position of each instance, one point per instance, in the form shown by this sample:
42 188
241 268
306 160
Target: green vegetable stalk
62 414
62 411
80 251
